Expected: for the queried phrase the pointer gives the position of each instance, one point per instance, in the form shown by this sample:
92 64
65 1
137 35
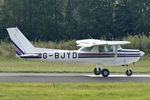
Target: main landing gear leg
98 70
128 71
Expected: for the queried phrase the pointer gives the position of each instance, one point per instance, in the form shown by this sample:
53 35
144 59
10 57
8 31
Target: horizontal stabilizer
33 55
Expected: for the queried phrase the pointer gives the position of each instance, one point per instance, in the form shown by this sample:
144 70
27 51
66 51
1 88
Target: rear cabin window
106 48
87 49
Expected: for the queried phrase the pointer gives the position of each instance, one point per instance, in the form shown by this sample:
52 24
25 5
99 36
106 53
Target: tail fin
21 43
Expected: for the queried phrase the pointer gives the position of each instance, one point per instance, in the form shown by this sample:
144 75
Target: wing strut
116 53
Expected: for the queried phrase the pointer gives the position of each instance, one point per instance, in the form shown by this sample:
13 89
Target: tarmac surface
70 77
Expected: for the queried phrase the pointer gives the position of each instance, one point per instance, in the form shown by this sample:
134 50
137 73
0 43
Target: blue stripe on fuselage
128 51
105 55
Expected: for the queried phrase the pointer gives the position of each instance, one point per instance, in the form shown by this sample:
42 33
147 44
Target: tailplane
21 43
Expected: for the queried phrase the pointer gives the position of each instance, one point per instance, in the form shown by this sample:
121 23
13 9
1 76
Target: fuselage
124 56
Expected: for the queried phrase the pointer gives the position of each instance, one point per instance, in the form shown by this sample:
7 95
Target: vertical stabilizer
21 43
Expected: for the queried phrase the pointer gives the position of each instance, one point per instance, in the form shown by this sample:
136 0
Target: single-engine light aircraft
92 51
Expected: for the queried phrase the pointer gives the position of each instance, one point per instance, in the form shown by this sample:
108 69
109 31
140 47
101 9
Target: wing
117 42
94 42
90 42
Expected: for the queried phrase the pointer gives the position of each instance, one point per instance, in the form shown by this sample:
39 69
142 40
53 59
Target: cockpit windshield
119 47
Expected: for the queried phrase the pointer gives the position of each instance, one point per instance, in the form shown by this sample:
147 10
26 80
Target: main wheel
129 72
105 72
97 71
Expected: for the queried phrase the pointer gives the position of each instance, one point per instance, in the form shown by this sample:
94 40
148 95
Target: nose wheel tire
97 71
105 72
129 72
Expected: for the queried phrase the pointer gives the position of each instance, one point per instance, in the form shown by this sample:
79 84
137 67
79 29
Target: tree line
57 20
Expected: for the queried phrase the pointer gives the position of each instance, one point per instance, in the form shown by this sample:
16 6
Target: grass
74 91
17 65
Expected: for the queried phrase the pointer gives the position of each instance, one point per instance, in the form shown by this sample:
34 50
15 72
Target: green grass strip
74 91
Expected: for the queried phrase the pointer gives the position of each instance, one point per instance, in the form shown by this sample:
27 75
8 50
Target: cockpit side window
101 48
87 49
106 48
109 48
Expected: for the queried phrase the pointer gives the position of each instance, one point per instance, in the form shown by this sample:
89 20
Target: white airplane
92 51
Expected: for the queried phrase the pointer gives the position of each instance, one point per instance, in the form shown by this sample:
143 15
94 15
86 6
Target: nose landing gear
128 71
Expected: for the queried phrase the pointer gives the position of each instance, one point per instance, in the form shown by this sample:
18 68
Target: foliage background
57 20
58 23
